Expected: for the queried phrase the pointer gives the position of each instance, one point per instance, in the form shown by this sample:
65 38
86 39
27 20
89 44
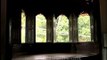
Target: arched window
40 28
23 26
84 30
61 27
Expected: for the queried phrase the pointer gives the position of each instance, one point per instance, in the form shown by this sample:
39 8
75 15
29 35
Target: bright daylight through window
23 26
40 28
61 28
84 30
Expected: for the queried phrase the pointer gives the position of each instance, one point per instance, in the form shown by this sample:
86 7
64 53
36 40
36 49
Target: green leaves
62 29
84 30
40 28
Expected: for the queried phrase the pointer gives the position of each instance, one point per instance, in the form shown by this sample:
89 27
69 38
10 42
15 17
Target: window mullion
50 30
73 38
92 27
33 28
30 29
75 29
70 28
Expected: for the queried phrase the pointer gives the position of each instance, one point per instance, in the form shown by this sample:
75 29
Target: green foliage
84 32
40 28
23 24
62 29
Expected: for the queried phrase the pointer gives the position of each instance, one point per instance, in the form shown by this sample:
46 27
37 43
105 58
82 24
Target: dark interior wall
103 12
48 7
4 37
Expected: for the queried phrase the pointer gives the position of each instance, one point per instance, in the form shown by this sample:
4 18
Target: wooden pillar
103 15
3 30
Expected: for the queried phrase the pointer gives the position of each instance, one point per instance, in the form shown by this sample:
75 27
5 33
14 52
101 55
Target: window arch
61 27
23 26
40 28
84 30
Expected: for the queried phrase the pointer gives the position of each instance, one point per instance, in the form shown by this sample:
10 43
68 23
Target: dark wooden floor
57 56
